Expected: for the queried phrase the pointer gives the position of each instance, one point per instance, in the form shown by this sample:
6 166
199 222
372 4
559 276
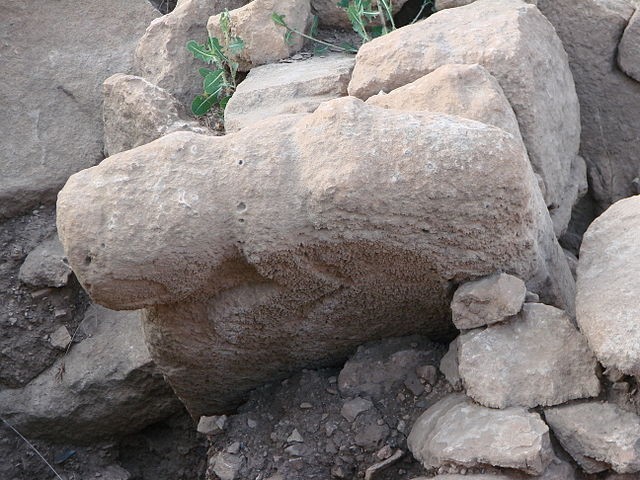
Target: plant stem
327 44
424 5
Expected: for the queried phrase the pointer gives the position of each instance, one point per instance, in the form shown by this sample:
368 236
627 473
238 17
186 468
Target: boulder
609 100
264 41
280 88
629 48
598 435
536 358
295 241
457 431
161 55
488 300
609 286
51 96
332 16
136 112
105 385
46 265
519 47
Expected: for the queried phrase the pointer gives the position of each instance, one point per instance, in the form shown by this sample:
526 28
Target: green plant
279 20
218 84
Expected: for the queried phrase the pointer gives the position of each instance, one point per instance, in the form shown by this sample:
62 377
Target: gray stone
227 466
609 286
161 55
299 241
60 338
212 425
457 431
488 300
518 46
354 407
136 112
449 365
599 436
106 385
281 88
536 358
46 265
54 60
428 373
295 437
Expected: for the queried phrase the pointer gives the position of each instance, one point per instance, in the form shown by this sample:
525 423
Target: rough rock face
629 48
45 266
609 100
330 15
136 112
106 385
161 55
51 125
609 286
264 40
449 365
598 435
294 242
526 57
460 432
486 301
281 88
467 91
536 358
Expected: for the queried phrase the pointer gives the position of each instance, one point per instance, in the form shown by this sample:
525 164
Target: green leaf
278 19
214 83
217 50
202 104
224 100
377 31
313 31
236 45
320 49
201 52
349 47
225 22
204 71
343 3
288 38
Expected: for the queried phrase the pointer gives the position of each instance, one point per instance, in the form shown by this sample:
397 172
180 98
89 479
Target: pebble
251 423
306 405
234 448
295 437
352 408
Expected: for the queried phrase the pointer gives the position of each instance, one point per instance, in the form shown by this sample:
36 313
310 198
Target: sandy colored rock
105 385
161 55
609 286
536 358
518 46
629 48
281 88
46 265
457 431
264 40
330 15
488 300
51 96
281 246
598 435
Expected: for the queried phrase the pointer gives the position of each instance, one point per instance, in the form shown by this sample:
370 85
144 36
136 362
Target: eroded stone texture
486 301
536 358
519 47
106 385
598 435
54 59
136 112
458 431
609 286
296 241
629 48
281 88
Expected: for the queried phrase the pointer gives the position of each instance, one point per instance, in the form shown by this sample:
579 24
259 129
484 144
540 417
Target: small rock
45 266
384 453
531 297
352 408
449 365
60 338
428 373
251 423
413 384
227 466
295 437
297 450
306 406
212 425
234 448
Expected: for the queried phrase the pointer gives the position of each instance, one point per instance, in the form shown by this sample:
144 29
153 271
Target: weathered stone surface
468 91
449 365
557 470
51 96
488 300
161 55
609 286
537 358
136 112
598 435
106 385
444 4
526 57
264 40
281 88
46 265
296 241
609 100
378 367
629 48
330 15
575 189
460 432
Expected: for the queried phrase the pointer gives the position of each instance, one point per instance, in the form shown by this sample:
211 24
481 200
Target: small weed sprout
219 83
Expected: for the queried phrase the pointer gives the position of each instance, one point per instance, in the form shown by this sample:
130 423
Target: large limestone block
281 88
599 436
106 385
136 112
536 358
629 48
519 47
161 55
459 432
609 100
54 59
609 286
330 15
301 238
264 41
